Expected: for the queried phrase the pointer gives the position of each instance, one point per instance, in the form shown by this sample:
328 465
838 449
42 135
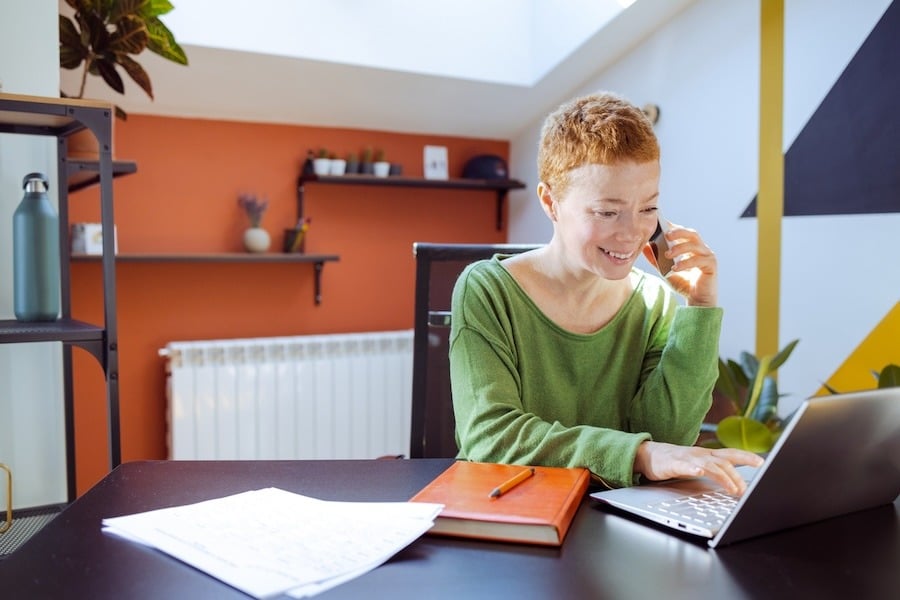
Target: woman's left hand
695 274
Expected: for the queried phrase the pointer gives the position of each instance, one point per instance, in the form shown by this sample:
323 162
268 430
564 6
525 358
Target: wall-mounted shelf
318 260
500 186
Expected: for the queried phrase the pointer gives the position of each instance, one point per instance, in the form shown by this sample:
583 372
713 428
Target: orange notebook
537 510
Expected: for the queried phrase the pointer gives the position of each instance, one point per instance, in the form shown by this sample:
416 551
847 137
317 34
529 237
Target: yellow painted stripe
879 349
770 201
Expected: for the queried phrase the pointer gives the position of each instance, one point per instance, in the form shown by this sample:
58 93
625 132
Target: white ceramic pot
256 239
338 166
382 168
322 166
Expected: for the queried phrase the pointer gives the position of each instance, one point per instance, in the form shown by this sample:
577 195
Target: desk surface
605 554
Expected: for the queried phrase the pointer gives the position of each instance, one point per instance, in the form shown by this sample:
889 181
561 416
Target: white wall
31 418
702 69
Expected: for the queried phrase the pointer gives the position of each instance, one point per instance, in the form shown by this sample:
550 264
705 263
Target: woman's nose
631 230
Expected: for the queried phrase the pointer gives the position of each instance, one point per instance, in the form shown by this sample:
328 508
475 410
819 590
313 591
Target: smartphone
658 246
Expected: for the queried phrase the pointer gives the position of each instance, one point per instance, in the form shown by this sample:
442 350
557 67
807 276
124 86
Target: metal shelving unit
60 118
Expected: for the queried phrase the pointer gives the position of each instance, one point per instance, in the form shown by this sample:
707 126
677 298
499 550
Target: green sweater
526 391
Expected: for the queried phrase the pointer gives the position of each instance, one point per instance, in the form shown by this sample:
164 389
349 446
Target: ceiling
248 86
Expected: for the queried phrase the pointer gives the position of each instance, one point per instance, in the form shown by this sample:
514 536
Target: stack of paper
270 541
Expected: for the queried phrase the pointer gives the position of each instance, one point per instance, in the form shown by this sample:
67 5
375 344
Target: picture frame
435 162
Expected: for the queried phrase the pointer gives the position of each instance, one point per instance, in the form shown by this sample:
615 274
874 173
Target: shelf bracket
501 196
317 290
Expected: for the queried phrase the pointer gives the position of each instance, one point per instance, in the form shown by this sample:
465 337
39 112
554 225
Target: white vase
382 168
256 239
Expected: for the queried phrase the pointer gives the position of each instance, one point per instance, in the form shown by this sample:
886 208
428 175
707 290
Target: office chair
432 433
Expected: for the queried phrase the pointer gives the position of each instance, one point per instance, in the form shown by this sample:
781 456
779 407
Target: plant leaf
120 9
137 73
756 389
107 70
750 365
162 42
767 406
782 356
71 51
830 389
889 376
130 37
739 375
154 8
745 434
725 384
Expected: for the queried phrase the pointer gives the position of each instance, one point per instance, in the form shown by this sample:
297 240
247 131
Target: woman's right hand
658 461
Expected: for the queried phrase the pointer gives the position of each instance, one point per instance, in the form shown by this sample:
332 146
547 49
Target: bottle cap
35 182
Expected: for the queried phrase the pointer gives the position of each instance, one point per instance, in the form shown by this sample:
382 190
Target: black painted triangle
846 160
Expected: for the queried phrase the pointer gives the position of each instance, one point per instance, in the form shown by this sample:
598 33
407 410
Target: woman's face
606 215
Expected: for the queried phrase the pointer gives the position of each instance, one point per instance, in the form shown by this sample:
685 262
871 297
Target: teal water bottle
35 253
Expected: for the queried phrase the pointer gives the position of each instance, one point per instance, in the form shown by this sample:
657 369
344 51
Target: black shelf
317 260
62 330
500 186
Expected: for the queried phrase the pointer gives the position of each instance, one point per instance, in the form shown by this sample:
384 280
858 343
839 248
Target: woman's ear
547 203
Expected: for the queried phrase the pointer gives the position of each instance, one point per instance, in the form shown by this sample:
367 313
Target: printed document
270 541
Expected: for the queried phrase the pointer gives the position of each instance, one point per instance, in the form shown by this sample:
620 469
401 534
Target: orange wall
183 198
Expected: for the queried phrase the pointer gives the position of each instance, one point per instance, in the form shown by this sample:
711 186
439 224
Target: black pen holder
294 240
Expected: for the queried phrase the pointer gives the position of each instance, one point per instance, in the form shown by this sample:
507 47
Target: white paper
270 541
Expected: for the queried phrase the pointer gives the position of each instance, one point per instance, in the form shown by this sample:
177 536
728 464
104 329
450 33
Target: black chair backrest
437 268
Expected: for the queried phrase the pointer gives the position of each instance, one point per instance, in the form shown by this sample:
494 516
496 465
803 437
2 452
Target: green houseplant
751 387
106 34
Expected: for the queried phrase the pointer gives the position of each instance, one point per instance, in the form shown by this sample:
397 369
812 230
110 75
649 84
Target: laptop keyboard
709 509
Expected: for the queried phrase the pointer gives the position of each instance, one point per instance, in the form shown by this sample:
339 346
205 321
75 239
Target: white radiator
315 396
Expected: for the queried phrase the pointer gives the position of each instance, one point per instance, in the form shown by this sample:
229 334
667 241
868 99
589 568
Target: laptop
838 454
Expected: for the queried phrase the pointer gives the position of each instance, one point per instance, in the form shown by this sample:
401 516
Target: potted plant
321 163
105 34
352 163
381 167
338 165
751 388
365 161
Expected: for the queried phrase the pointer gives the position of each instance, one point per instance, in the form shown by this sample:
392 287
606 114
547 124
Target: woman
567 355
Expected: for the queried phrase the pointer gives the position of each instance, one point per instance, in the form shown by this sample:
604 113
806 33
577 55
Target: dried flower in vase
254 207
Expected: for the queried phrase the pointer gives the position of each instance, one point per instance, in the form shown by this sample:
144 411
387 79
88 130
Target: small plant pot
382 168
338 166
322 166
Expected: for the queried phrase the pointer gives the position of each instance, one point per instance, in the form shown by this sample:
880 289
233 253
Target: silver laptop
838 454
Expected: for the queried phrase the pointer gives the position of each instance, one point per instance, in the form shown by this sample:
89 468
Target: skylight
513 42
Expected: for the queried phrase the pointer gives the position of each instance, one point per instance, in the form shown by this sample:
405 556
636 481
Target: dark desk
604 556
